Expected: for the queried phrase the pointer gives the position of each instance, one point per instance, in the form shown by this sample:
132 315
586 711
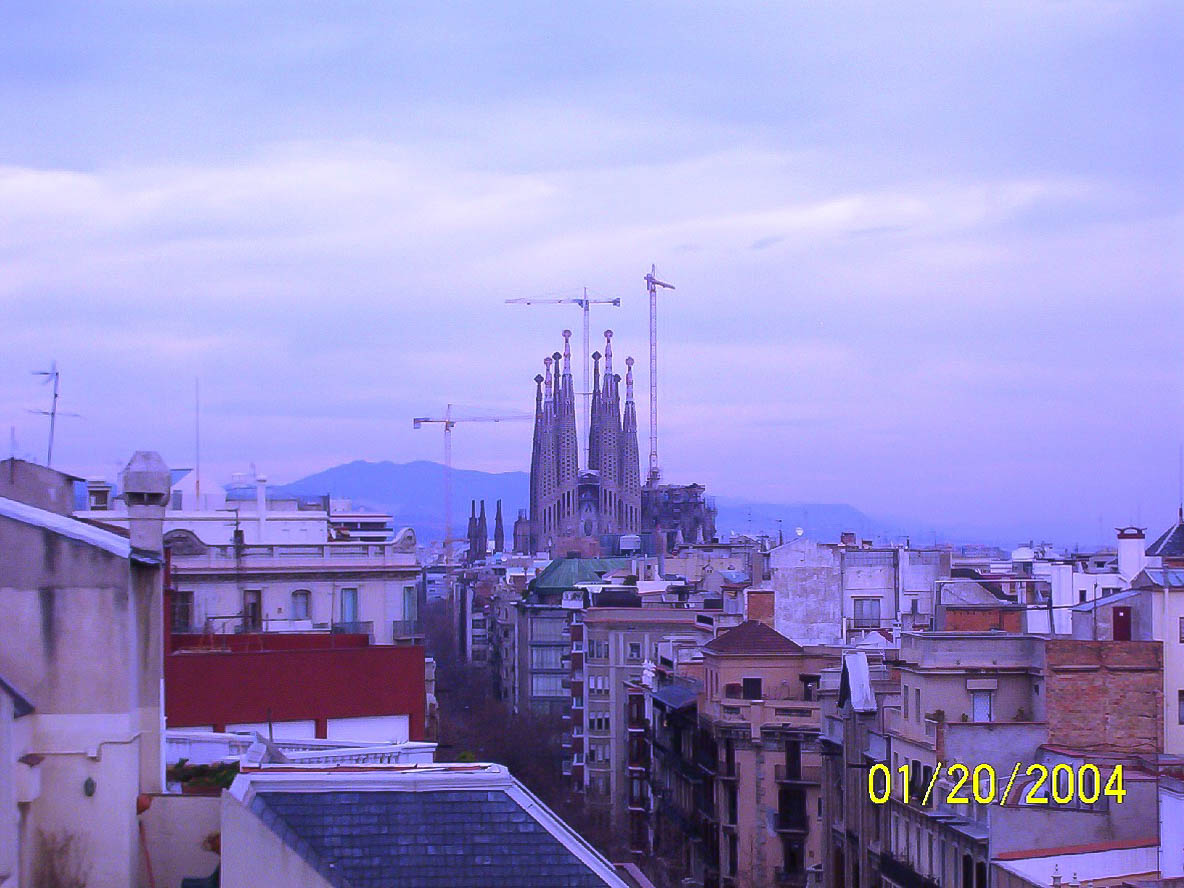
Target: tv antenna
52 376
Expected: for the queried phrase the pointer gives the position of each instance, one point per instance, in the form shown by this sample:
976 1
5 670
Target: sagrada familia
605 497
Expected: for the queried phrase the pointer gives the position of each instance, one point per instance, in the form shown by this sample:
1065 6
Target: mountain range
413 493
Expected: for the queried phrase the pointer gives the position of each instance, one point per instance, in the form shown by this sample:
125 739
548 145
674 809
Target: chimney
146 490
98 495
1132 551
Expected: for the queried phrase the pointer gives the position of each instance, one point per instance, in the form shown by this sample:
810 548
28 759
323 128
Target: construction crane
51 376
448 420
583 302
652 284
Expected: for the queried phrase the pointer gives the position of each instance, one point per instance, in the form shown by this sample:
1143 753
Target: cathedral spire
499 531
629 380
548 399
594 416
555 357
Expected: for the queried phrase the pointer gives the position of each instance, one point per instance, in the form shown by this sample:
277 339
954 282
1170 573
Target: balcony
804 774
789 822
407 631
354 627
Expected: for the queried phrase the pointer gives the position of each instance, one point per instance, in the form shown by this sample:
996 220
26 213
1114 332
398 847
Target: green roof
566 573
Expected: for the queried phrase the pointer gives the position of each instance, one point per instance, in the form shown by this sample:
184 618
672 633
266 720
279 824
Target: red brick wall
1105 693
982 619
760 606
229 687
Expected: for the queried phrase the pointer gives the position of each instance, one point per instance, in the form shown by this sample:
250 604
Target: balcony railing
802 774
406 630
353 627
791 822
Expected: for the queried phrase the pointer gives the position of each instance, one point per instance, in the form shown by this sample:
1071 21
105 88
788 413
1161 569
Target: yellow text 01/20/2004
1061 784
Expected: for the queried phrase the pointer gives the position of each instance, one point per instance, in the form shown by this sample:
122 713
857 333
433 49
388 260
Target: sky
927 255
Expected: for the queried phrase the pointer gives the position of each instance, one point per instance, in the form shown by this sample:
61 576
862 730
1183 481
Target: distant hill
820 521
414 492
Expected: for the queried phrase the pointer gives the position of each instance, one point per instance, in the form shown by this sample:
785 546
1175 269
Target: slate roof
752 637
474 837
20 706
1170 542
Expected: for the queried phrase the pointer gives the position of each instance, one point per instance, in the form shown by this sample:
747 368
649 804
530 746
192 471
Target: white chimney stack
1132 551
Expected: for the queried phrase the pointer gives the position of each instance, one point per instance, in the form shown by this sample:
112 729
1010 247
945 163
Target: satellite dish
799 530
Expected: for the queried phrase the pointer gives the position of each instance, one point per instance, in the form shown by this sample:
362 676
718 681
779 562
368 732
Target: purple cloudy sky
927 254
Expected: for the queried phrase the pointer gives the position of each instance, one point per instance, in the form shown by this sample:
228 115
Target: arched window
301 604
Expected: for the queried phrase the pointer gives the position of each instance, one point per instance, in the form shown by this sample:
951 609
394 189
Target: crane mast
652 284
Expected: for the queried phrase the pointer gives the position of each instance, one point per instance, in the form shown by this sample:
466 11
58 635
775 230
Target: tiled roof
751 637
1170 543
463 838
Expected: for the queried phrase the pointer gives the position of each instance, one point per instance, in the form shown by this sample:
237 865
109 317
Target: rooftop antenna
197 440
583 302
51 376
652 284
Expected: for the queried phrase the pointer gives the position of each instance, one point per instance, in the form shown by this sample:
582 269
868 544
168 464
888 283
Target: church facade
603 498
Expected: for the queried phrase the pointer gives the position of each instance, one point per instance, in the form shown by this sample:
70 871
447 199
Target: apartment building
255 561
827 593
986 699
80 674
736 766
610 647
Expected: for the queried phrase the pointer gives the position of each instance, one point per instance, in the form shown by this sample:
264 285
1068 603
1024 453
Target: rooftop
461 825
752 638
1170 543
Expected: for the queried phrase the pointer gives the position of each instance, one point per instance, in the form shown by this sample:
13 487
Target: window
867 613
546 658
349 605
917 702
546 629
410 604
752 689
597 649
904 702
598 720
253 608
1081 597
546 685
634 650
1180 704
980 706
597 685
300 601
1182 630
182 611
